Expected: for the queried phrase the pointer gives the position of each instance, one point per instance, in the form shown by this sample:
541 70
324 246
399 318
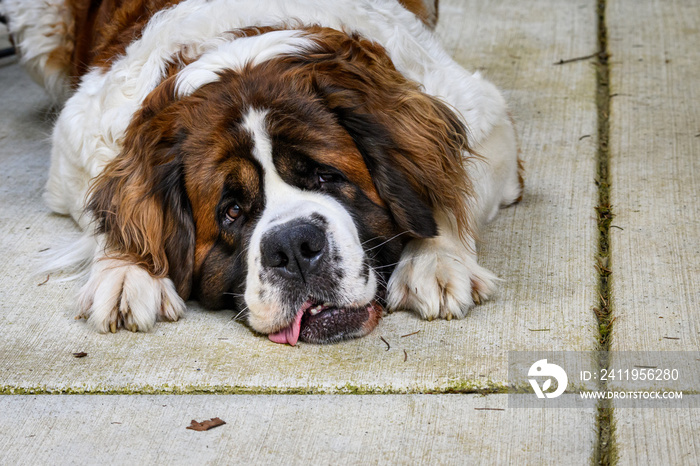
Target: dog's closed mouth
327 323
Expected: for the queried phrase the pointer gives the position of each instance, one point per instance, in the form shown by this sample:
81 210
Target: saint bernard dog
307 163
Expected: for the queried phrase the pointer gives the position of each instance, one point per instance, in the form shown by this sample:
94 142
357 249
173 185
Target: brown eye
233 212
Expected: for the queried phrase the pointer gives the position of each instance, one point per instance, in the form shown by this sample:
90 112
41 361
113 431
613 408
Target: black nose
294 250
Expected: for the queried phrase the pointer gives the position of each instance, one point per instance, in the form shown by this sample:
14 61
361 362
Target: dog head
285 187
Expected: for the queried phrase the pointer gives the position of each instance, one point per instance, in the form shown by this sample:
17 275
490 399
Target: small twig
672 338
388 346
539 329
489 409
80 355
409 334
571 60
584 136
405 356
647 367
44 250
615 226
45 281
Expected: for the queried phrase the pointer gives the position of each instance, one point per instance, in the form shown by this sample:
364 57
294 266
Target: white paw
437 279
120 294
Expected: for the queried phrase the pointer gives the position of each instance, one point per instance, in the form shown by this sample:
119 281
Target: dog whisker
385 266
235 318
384 242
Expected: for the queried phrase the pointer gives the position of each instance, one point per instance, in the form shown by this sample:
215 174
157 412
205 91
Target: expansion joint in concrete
605 453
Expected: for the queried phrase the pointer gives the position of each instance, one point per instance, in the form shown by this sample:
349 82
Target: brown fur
136 201
98 31
521 168
430 140
521 179
426 10
164 187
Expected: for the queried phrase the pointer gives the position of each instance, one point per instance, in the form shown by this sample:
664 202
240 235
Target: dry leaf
206 425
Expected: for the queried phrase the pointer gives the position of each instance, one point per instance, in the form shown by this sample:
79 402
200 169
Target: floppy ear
412 143
139 200
410 211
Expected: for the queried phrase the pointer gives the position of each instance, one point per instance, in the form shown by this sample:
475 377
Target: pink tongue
291 334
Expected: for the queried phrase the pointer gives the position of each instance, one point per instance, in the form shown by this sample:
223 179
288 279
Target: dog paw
120 294
437 280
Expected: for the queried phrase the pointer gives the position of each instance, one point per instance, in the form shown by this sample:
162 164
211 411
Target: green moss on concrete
465 387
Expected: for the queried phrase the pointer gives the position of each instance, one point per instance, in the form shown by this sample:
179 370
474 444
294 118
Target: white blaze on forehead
255 123
283 203
282 200
237 54
274 186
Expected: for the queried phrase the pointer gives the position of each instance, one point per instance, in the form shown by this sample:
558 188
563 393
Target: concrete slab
655 162
655 167
657 436
542 248
289 429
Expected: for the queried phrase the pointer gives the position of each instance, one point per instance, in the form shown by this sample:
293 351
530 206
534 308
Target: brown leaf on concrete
206 425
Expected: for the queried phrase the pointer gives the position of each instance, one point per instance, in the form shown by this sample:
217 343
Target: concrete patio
436 396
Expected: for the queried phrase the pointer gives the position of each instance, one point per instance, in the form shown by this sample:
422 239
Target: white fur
38 29
283 203
237 54
121 294
91 127
439 277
